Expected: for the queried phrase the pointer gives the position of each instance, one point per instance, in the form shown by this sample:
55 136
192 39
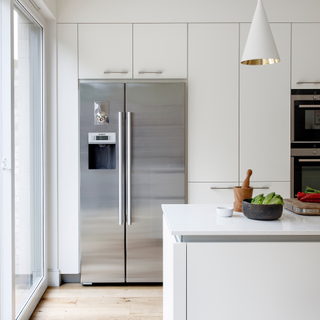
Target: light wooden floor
73 301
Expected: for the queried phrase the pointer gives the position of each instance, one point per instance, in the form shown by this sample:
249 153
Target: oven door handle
304 106
302 82
309 160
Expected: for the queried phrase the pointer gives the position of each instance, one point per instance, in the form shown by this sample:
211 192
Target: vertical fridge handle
120 169
129 167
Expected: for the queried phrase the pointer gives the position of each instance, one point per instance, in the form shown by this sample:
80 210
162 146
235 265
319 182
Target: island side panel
253 280
174 276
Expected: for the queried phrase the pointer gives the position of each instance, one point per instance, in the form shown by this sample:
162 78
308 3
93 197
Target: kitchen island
237 268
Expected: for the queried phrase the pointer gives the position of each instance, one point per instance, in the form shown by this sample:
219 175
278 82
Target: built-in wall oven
305 164
305 139
305 115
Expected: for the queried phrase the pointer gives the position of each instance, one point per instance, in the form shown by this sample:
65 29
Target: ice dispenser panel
102 150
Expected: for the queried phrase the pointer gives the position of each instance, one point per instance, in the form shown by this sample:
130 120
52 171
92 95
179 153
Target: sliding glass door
28 177
21 150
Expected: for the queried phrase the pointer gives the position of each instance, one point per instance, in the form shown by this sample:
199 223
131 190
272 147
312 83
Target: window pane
28 156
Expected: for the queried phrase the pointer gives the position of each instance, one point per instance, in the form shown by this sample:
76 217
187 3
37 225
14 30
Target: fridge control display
101 137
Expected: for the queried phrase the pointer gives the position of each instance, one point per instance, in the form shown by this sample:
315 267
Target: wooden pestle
243 192
246 181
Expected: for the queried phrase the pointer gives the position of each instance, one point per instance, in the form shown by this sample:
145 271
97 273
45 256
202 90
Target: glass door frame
20 311
7 174
7 296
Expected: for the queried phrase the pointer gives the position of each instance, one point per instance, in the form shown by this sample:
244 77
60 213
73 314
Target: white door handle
4 165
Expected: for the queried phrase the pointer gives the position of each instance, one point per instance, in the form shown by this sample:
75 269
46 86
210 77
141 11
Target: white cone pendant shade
260 48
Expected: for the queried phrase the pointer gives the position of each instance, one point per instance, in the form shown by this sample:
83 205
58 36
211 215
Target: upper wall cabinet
213 81
305 55
105 51
265 112
160 51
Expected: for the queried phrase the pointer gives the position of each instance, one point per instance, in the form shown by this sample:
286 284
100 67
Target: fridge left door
102 231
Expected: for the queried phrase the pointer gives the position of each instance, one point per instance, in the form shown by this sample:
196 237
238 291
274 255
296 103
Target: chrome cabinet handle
4 165
123 72
309 160
143 72
314 82
216 188
129 167
260 187
120 169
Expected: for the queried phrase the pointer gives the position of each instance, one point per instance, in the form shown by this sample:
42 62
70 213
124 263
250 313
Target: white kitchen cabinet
265 112
252 280
213 69
105 51
160 51
211 193
265 187
222 193
68 149
305 55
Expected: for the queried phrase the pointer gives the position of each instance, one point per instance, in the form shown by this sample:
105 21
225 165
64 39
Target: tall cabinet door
102 234
68 175
155 168
265 112
305 56
213 62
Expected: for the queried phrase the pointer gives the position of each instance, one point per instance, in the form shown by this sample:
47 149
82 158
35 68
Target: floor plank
73 301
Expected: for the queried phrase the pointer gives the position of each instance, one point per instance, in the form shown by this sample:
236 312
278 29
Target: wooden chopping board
303 208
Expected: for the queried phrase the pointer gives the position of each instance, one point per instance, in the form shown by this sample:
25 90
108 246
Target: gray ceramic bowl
261 211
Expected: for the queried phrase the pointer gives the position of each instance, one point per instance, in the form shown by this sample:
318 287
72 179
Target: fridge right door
155 171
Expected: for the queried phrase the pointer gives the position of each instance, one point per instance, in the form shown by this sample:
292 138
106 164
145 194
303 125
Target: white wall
135 11
52 6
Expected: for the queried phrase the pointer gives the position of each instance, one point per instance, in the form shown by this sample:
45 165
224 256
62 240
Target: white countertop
202 220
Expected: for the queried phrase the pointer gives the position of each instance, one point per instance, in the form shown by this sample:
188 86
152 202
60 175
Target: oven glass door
306 172
306 120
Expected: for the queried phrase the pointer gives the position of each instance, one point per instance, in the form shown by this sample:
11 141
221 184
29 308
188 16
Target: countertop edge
188 214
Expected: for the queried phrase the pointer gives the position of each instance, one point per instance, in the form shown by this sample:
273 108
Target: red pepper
300 195
310 200
311 197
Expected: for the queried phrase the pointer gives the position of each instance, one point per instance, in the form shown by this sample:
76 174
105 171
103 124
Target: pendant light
260 48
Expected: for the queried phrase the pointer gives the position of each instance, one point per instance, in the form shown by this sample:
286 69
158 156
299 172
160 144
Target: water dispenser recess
102 150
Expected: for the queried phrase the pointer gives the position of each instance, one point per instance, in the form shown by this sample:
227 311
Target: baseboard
70 278
54 278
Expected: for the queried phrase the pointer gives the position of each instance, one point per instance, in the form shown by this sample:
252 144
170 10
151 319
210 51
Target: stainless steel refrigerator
132 150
